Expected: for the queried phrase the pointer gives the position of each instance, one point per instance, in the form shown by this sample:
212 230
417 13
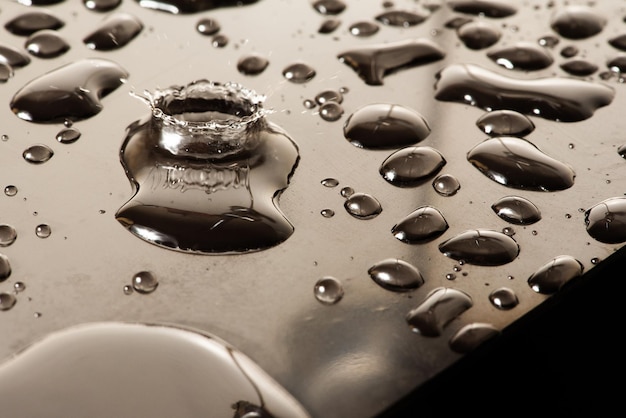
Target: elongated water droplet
330 182
6 72
580 68
577 22
329 7
69 92
471 336
190 6
37 154
299 72
489 8
327 213
10 190
385 126
145 282
220 41
26 24
208 26
505 122
423 224
7 301
116 31
101 6
331 111
481 247
363 29
68 135
5 268
517 163
396 275
411 165
43 231
46 44
606 221
553 275
561 99
13 57
517 210
479 34
621 150
375 62
329 26
446 185
363 206
523 56
401 18
328 290
440 307
253 64
504 298
8 235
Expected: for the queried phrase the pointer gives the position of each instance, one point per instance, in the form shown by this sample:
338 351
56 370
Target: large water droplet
116 31
7 301
517 210
28 23
489 8
524 56
446 185
423 224
253 64
145 282
46 44
374 62
401 18
37 154
606 221
479 34
577 22
411 165
385 126
363 206
329 7
503 298
553 275
440 307
328 290
561 99
364 29
505 122
8 235
69 92
396 275
481 247
101 5
471 336
517 163
299 72
190 6
5 268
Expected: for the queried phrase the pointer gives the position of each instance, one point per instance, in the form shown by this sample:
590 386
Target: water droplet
6 72
69 92
524 56
617 64
8 235
14 58
10 190
396 275
43 231
569 51
37 154
507 230
19 287
328 96
450 276
595 260
330 182
374 62
331 111
190 6
622 151
553 275
423 224
309 104
364 29
329 26
561 99
363 206
481 247
219 41
549 41
208 26
329 7
457 22
101 5
26 24
299 72
253 64
505 122
517 210
5 268
128 289
577 22
580 68
489 8
37 315
46 44
479 34
503 298
328 290
517 163
606 221
7 301
116 31
68 135
446 185
347 191
327 213
385 126
440 307
401 18
471 336
220 166
145 282
411 165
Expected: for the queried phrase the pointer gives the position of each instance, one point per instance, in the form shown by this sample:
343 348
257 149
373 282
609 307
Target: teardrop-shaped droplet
299 72
101 6
489 8
363 29
481 247
606 221
145 282
5 268
410 165
116 31
363 206
328 290
68 135
554 98
471 336
517 163
329 26
375 62
252 64
46 44
69 92
331 111
385 126
523 56
505 122
26 24
396 275
423 224
401 18
13 57
503 298
37 154
8 235
479 34
7 301
577 22
517 210
446 185
580 68
553 275
208 26
329 7
441 306
43 230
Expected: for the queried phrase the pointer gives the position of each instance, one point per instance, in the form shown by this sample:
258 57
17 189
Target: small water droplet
505 122
346 192
553 275
145 282
517 210
43 230
128 289
488 8
219 41
299 72
396 275
46 43
37 154
328 96
479 34
329 7
401 18
595 260
328 290
6 72
19 287
471 336
309 104
363 206
8 235
503 298
450 276
606 221
549 41
26 24
441 306
446 185
481 247
10 190
101 5
329 26
577 22
571 146
331 111
580 68
327 213
508 231
5 268
208 26
7 301
4 137
68 135
37 315
569 51
364 29
411 165
423 224
253 64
